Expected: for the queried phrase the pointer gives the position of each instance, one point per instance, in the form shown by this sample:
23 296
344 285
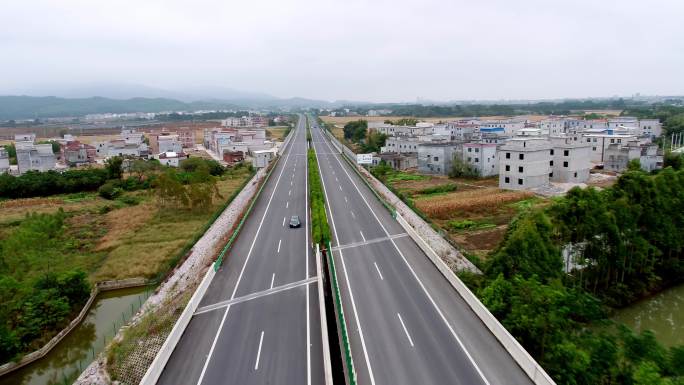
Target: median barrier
327 365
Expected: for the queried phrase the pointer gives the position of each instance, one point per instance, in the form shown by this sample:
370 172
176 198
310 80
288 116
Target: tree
374 142
674 124
355 131
527 250
634 165
113 166
674 160
461 169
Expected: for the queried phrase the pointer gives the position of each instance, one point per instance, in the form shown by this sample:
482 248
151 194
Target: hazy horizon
354 50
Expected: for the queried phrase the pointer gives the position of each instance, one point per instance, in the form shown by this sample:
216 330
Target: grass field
474 213
114 240
276 133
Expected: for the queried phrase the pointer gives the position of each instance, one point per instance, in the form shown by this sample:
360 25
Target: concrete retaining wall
40 353
160 360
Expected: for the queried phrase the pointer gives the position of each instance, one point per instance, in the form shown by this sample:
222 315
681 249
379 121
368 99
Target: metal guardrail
327 365
343 324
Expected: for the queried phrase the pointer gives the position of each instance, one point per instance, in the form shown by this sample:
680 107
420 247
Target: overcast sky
395 50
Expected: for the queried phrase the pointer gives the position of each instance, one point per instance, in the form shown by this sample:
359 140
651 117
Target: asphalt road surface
269 330
407 325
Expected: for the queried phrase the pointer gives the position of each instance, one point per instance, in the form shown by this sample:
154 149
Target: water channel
75 352
663 313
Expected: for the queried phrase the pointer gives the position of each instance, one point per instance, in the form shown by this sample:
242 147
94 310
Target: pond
663 313
75 352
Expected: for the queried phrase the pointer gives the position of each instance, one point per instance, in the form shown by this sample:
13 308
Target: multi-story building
437 158
187 137
34 157
245 121
510 126
481 157
553 126
4 161
74 152
131 136
569 160
600 139
400 144
168 143
524 163
651 128
618 156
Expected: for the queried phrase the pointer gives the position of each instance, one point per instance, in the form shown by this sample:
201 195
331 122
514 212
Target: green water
663 313
75 352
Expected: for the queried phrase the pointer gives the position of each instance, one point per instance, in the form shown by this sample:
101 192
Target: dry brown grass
141 240
276 133
17 209
470 201
123 222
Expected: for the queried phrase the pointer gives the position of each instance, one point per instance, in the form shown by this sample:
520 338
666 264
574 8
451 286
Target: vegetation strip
320 234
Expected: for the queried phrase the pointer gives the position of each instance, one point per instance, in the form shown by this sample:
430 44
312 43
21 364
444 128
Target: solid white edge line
244 265
346 278
405 330
261 341
434 304
306 246
378 270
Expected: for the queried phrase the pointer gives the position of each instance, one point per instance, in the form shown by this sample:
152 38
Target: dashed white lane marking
279 241
378 270
405 331
345 199
284 218
340 187
273 279
289 192
352 213
362 237
287 204
261 341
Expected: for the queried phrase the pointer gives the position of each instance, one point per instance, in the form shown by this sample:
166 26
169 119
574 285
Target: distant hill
31 107
26 107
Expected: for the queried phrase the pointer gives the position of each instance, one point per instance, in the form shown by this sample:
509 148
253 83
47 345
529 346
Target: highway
407 325
259 321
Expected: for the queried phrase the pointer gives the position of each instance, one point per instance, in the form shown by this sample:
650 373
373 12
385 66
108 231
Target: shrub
109 190
445 188
130 200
